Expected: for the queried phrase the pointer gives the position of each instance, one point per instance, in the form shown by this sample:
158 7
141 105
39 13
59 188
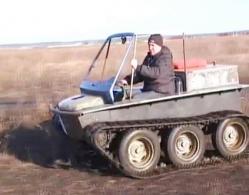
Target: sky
32 21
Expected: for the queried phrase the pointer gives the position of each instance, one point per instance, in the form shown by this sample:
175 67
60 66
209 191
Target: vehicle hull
179 106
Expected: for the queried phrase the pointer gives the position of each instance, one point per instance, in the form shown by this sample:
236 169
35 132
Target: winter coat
156 72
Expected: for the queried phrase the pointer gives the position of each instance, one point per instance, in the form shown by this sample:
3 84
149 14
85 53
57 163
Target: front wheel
231 137
185 146
139 152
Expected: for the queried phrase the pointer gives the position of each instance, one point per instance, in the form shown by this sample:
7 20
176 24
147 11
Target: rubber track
203 120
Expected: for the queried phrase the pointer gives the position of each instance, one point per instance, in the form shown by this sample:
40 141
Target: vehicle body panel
184 105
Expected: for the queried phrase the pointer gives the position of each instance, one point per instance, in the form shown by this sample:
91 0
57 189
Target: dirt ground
35 158
32 166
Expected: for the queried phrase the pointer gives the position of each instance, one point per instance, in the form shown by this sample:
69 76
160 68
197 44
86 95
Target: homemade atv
138 133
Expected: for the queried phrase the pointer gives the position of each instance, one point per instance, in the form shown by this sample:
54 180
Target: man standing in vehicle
156 71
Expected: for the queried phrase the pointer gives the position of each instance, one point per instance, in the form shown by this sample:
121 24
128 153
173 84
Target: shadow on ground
46 146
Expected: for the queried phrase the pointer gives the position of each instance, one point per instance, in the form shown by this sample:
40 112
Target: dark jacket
156 72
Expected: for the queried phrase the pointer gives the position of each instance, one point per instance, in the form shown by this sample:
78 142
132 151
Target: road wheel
231 138
185 146
139 152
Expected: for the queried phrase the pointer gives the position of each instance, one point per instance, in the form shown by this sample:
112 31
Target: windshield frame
105 88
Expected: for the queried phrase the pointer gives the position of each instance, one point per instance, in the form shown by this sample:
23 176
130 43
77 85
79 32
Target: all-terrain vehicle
138 134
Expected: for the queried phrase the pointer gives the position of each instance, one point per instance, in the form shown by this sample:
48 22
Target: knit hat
156 38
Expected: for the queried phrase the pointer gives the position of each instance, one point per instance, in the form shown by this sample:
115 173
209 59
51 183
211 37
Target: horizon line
53 44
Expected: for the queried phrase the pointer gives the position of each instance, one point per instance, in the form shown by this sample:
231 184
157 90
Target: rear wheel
139 152
231 138
185 146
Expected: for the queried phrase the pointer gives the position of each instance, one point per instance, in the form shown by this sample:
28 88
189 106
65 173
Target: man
156 70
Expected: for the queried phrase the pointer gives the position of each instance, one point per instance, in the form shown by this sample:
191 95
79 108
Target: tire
231 137
185 146
139 152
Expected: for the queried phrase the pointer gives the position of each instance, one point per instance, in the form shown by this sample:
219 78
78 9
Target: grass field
31 79
62 68
47 75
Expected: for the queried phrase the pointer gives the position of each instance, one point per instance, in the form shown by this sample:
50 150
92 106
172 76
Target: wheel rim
234 136
141 153
187 145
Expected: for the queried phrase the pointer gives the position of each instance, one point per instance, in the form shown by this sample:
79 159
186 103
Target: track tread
120 126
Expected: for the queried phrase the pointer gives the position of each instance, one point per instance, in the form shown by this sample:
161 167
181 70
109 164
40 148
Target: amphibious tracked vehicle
137 133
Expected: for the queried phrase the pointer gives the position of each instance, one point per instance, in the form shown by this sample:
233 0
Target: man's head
155 43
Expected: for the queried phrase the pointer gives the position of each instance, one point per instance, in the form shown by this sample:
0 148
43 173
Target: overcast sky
29 21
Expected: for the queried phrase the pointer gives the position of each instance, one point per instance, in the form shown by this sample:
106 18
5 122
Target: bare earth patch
31 168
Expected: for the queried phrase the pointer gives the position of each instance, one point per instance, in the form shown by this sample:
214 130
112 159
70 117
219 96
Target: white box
211 76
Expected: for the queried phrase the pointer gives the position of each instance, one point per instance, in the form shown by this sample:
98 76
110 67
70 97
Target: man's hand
123 82
134 63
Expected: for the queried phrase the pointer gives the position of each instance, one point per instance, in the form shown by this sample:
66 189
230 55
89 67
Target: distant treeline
233 33
92 42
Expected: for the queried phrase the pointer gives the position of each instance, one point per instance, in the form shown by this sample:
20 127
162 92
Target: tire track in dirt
76 168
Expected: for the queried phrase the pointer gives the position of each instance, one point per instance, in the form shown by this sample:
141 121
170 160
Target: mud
53 164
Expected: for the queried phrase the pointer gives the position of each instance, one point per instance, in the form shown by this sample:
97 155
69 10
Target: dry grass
43 68
31 79
32 70
8 160
222 50
38 77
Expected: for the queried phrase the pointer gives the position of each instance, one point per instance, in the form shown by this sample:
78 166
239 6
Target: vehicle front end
99 87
